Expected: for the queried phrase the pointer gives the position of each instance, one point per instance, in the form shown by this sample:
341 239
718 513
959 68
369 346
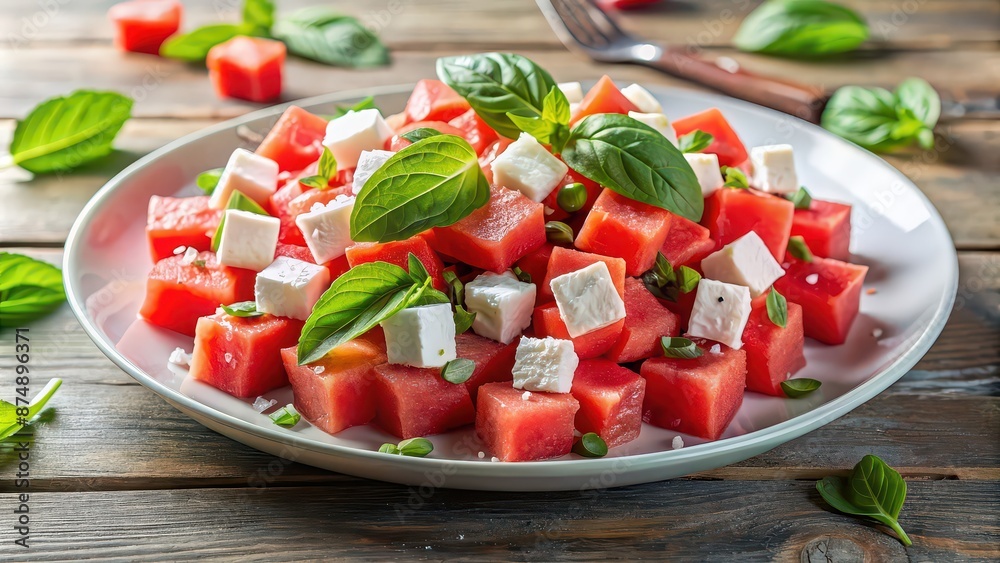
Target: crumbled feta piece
720 312
773 169
327 228
745 261
260 404
528 167
587 299
254 175
716 349
573 91
248 240
355 132
368 163
190 255
526 395
657 121
642 99
422 337
180 249
544 364
290 287
677 443
179 358
502 303
811 279
706 169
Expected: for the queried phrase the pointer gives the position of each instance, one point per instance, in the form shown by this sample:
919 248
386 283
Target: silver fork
585 28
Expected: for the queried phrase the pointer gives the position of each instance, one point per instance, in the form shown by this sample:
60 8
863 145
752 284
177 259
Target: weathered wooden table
116 473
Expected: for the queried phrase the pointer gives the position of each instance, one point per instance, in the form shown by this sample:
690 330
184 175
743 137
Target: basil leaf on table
194 46
636 161
873 490
259 16
64 132
882 121
431 183
29 289
322 35
11 423
801 28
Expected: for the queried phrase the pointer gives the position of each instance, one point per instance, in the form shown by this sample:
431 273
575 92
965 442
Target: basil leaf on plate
800 386
798 248
687 279
239 201
243 309
463 319
873 490
208 179
431 183
777 308
420 133
801 28
340 111
590 445
322 35
194 45
636 161
801 199
29 289
734 178
416 268
458 370
327 169
558 232
286 416
680 348
64 132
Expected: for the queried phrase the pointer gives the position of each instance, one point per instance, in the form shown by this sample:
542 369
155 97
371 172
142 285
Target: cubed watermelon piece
173 222
497 234
289 232
725 142
494 360
143 25
566 260
646 321
682 307
773 353
295 141
490 154
412 402
397 143
242 356
336 392
610 399
475 130
179 292
829 292
518 425
730 214
398 252
536 264
304 202
698 396
603 97
433 100
826 228
546 321
622 227
247 68
687 242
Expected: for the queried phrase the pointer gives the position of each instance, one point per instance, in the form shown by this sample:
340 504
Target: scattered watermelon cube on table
622 227
518 425
610 399
774 353
143 25
242 356
731 213
247 68
295 141
412 402
173 222
726 144
687 242
494 360
646 322
826 229
829 292
398 253
547 321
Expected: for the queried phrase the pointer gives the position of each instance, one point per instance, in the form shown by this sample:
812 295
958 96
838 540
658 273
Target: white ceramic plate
897 233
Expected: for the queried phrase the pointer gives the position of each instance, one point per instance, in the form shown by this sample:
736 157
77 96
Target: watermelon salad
508 253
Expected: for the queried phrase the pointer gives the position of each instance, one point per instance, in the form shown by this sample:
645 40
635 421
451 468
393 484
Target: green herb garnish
801 198
463 319
687 279
420 133
734 178
320 34
286 416
873 490
798 248
882 121
240 202
458 370
366 103
243 309
29 289
208 179
590 445
521 274
777 308
414 447
664 282
799 387
326 171
680 348
13 418
695 141
552 127
558 232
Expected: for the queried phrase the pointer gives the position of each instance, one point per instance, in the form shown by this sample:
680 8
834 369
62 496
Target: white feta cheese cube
720 312
355 132
657 121
502 303
573 91
587 299
745 261
327 228
773 169
248 240
706 168
544 364
290 288
642 99
254 175
422 337
368 163
528 167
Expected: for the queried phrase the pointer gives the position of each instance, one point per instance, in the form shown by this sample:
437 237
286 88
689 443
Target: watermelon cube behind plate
398 253
826 228
547 321
829 292
242 356
730 214
173 222
247 68
494 360
774 353
610 399
518 425
295 141
412 402
646 321
725 142
698 396
687 242
143 25
622 227
179 291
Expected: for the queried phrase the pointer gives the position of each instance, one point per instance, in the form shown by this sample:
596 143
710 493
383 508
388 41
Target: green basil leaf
799 387
521 274
243 309
64 132
798 248
388 449
869 117
919 97
555 107
317 182
259 15
777 308
463 319
537 127
416 269
695 141
322 35
680 348
327 164
801 28
286 416
239 201
431 183
636 161
498 84
456 289
687 279
427 295
29 289
590 445
735 178
194 45
558 232
208 179
367 103
356 301
420 133
415 447
11 423
458 370
873 490
801 198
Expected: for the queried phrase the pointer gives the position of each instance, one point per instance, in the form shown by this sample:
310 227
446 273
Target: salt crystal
526 395
189 256
715 349
494 459
677 443
261 404
228 357
318 370
877 333
461 536
180 249
482 455
811 279
180 358
785 265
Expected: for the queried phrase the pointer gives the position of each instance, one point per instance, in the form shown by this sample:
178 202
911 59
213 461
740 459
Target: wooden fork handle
724 75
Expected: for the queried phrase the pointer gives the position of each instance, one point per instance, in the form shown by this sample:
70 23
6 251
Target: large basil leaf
431 183
259 15
496 84
873 489
801 28
325 36
879 120
636 161
195 45
29 289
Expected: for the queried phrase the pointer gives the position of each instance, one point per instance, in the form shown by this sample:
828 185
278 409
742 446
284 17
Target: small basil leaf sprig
873 490
240 202
209 179
695 141
665 282
327 169
552 126
286 416
680 348
13 417
802 198
456 294
414 447
243 309
367 102
883 121
801 28
29 289
777 308
420 133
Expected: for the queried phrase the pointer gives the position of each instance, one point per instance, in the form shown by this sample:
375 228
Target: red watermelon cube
610 399
622 227
687 242
829 292
295 141
494 360
412 402
518 425
398 253
242 356
173 222
475 130
142 25
698 396
433 100
546 321
289 232
730 214
603 97
536 264
725 142
826 228
682 308
566 260
646 321
247 68
773 353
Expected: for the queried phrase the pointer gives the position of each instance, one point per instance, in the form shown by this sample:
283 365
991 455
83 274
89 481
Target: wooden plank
674 520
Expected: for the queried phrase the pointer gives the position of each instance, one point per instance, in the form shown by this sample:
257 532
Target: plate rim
782 431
